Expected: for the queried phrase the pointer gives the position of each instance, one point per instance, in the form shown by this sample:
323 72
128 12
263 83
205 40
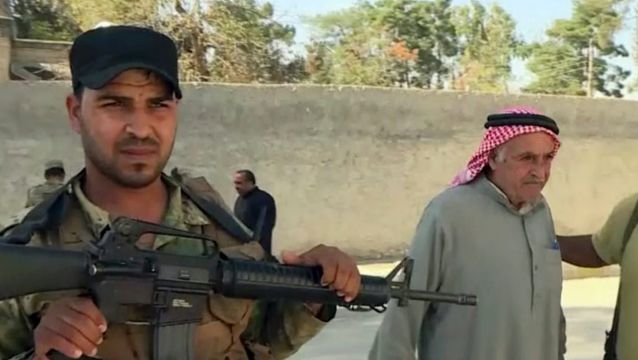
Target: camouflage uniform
39 193
273 330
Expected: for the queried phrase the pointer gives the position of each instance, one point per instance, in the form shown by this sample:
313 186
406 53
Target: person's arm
284 326
604 247
30 199
399 333
269 223
579 250
272 213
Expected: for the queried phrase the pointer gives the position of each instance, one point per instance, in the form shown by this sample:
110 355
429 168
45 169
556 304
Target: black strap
508 119
217 213
612 335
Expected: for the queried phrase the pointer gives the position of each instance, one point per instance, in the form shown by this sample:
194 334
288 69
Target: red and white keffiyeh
495 137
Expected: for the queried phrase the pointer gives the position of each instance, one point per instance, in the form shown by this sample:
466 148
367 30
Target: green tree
488 43
248 44
351 48
427 28
230 41
89 13
44 19
566 75
319 62
218 40
584 44
389 42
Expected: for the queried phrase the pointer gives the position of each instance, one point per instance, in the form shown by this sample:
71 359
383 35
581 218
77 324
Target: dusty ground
588 307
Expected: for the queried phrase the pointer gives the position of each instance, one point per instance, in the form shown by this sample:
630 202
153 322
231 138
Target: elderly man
491 234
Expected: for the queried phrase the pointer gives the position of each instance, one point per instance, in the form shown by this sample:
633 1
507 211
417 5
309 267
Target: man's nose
139 124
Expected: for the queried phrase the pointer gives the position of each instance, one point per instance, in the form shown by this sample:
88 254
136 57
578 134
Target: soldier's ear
73 111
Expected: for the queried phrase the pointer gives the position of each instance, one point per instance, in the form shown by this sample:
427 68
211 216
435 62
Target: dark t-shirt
248 208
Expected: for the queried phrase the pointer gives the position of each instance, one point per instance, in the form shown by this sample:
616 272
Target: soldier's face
127 128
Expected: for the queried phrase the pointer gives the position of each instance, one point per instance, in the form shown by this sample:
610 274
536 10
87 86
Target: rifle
175 287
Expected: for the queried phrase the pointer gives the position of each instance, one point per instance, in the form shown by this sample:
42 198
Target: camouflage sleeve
18 319
283 326
16 327
31 200
19 316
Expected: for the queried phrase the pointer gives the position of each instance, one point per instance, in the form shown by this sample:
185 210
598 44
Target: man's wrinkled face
522 167
127 127
242 185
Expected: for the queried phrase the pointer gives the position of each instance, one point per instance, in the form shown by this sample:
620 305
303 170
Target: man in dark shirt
252 205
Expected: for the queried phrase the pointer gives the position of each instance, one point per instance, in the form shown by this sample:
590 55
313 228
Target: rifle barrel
459 299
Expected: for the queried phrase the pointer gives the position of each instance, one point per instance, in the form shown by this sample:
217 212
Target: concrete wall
6 35
348 166
27 51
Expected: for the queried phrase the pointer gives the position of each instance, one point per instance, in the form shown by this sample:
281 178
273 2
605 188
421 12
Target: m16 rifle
175 288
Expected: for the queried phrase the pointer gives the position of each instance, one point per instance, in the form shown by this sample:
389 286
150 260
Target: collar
252 191
487 186
54 182
180 213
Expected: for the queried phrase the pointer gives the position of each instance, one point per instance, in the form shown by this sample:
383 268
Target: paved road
588 308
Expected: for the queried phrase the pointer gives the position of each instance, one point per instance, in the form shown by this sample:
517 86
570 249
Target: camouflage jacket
231 329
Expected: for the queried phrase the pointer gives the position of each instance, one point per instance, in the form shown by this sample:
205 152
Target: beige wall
26 51
6 35
347 166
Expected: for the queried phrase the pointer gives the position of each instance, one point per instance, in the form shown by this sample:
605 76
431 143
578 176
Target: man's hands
340 271
72 326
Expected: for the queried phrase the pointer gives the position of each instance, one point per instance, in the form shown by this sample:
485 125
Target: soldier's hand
340 271
72 326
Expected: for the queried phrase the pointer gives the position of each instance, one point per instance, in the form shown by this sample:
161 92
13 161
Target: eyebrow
529 153
161 98
126 99
104 97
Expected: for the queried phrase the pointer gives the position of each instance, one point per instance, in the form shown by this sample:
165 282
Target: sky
532 17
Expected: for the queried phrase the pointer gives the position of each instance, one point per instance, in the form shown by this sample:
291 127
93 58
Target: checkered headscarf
495 137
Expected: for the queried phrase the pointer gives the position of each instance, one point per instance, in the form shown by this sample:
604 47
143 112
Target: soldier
124 107
54 178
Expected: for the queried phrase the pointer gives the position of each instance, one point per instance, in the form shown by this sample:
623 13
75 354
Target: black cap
509 119
99 55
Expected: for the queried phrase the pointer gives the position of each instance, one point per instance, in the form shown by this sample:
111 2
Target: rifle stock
28 270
